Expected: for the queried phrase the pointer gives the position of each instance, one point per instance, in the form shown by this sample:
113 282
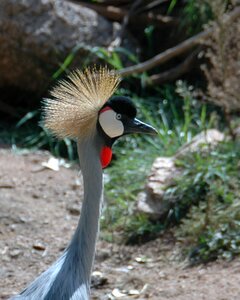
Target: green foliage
223 242
114 57
171 6
194 14
30 133
139 229
207 196
148 31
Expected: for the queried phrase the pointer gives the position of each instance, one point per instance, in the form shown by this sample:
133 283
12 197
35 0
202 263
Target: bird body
82 108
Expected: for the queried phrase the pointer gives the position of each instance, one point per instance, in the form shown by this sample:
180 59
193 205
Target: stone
98 279
37 36
164 173
14 253
203 140
74 209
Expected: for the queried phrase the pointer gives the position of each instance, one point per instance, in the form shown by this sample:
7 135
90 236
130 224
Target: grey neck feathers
88 227
69 277
75 273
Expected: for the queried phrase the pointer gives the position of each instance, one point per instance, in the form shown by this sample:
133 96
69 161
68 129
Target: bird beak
137 126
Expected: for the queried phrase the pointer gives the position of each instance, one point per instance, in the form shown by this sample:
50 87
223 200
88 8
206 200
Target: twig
176 72
117 14
175 51
152 5
166 55
6 186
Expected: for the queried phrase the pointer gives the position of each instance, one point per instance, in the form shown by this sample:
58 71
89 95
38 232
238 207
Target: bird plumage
73 110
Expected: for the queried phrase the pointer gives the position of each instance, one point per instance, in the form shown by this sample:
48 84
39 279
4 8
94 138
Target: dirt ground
38 215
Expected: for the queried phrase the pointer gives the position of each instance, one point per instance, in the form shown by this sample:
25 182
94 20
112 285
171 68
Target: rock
37 36
164 172
14 253
203 140
102 255
74 209
98 279
162 175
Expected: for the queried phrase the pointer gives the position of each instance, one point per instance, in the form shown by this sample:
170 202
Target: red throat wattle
105 156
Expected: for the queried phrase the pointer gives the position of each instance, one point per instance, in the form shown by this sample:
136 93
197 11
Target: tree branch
175 72
152 5
175 51
117 14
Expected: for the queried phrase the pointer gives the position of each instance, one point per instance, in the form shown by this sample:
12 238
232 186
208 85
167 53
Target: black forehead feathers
122 105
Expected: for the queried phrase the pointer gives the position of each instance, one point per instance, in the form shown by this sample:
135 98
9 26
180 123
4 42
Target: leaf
117 293
52 164
30 115
171 6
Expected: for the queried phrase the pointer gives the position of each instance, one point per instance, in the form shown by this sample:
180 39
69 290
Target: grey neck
69 277
88 226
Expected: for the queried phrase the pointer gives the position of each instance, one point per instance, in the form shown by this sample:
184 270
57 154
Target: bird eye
118 116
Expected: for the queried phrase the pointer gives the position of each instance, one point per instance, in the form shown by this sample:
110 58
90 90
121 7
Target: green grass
208 203
193 15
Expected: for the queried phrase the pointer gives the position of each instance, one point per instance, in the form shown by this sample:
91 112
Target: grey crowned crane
82 107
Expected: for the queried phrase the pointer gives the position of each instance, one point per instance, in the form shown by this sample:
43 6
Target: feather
74 108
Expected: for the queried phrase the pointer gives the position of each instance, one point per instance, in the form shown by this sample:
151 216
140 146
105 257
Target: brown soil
39 212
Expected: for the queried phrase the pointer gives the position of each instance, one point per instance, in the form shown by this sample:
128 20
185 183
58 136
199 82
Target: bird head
117 118
83 104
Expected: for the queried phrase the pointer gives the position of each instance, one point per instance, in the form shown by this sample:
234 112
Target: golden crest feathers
73 110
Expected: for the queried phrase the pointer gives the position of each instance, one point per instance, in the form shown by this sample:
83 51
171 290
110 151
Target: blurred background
180 64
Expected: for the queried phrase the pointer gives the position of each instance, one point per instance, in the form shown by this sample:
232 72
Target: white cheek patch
110 125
